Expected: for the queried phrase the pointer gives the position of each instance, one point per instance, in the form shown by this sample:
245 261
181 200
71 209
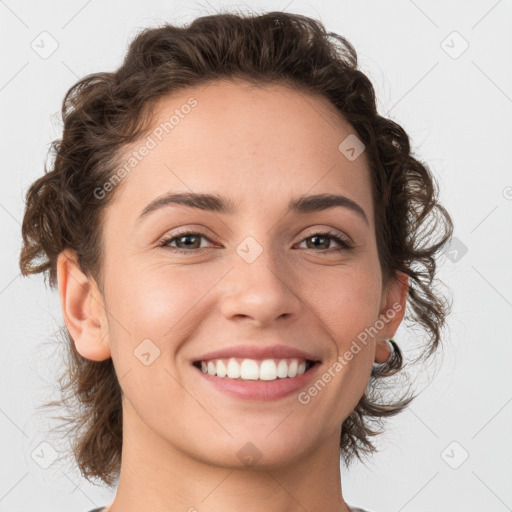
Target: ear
391 312
83 308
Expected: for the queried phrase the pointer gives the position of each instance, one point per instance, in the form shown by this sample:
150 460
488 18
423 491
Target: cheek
159 302
346 298
347 305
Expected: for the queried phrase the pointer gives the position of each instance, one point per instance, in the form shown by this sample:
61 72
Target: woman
235 233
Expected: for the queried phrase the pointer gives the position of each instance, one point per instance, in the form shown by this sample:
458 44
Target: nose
261 291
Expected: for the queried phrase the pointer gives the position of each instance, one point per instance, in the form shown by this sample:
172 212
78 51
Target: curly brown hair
104 112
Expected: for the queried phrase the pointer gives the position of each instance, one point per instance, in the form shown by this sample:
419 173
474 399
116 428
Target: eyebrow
217 203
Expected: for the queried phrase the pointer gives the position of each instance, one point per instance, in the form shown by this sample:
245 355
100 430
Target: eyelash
345 243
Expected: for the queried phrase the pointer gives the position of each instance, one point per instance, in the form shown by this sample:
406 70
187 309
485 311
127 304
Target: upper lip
258 352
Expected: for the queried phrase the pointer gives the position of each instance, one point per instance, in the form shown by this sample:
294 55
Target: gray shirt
353 509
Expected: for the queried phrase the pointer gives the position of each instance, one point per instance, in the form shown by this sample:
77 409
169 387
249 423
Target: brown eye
188 241
323 240
319 242
185 242
191 241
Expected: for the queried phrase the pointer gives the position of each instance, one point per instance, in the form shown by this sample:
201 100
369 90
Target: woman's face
254 275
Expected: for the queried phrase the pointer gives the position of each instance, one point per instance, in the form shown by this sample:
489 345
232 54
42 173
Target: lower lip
261 389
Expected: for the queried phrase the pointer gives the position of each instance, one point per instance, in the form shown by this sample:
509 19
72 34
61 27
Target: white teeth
252 369
268 370
249 370
282 369
233 369
221 369
292 369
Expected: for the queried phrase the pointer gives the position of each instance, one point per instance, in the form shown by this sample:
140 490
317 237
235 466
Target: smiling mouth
254 369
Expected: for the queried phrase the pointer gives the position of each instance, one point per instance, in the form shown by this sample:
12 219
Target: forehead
259 145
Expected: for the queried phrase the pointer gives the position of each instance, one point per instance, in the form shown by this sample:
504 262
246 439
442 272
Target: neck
159 477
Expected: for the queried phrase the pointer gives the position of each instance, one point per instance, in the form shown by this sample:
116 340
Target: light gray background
457 110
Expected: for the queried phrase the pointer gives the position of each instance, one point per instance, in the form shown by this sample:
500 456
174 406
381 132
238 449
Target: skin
260 147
